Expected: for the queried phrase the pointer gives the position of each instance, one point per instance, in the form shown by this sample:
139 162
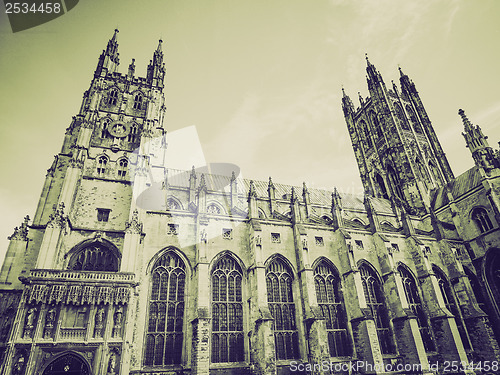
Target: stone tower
87 220
398 153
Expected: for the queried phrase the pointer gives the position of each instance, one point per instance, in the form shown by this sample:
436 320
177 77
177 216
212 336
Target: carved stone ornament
21 233
77 294
58 218
118 129
134 226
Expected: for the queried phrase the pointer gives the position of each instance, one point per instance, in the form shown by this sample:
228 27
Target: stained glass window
138 101
416 306
113 97
332 306
101 165
375 301
166 311
280 299
227 312
122 168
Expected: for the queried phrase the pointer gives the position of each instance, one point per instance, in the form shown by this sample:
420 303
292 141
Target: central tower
397 150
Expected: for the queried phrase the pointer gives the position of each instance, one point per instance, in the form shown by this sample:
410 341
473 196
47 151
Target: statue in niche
99 321
50 319
18 367
112 363
30 320
118 321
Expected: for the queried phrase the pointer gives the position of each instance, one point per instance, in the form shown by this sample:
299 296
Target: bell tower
398 153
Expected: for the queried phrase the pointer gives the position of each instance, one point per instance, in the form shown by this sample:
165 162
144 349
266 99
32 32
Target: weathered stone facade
129 267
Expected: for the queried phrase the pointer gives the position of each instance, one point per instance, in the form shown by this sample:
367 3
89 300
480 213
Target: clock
118 129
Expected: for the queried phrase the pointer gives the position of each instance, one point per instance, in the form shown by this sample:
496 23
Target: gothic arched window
227 312
482 220
122 168
213 209
416 306
435 173
376 124
451 305
138 101
395 181
94 257
413 117
166 312
172 204
476 289
375 302
113 97
401 116
104 127
132 136
280 300
365 134
102 161
332 307
381 185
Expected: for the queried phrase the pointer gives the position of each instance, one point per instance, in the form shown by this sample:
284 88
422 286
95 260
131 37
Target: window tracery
113 97
102 162
122 168
280 300
332 307
227 312
375 301
482 220
451 305
166 312
138 101
416 306
94 257
172 204
213 209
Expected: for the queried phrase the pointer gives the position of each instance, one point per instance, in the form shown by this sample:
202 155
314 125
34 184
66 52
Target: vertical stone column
317 339
131 242
262 349
406 329
57 223
449 343
363 326
476 321
200 351
12 266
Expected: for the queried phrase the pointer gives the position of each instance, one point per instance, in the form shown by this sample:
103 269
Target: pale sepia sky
260 80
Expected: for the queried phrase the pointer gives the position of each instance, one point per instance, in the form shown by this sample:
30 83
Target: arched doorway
68 364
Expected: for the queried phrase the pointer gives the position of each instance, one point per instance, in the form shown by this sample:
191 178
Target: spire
109 59
406 83
465 120
156 67
477 144
373 74
347 105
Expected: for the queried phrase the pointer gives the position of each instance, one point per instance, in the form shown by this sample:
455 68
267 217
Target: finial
251 190
465 120
159 45
202 181
294 195
114 35
271 182
343 92
233 176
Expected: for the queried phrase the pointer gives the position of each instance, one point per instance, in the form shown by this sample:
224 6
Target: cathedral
130 267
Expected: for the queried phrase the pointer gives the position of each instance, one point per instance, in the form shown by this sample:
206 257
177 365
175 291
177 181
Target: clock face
118 129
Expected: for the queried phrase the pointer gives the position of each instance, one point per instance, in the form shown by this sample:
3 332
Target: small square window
103 214
359 244
319 241
275 238
227 234
395 247
173 229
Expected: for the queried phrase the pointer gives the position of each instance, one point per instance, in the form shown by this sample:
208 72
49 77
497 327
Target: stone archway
68 364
